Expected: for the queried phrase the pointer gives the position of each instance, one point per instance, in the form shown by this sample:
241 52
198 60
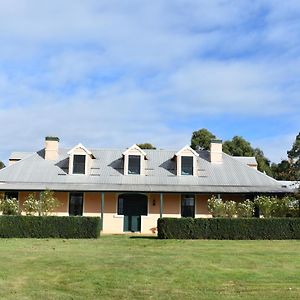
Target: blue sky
113 73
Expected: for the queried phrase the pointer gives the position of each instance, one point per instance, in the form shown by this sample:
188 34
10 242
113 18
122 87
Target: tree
202 139
146 146
238 146
289 169
294 153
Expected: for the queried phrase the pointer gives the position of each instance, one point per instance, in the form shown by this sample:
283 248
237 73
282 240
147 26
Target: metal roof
106 174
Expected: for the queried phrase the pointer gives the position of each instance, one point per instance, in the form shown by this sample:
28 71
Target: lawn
121 267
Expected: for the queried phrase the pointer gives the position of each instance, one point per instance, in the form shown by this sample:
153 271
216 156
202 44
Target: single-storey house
131 188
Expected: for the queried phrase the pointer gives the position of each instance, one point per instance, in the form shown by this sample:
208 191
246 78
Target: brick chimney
216 156
51 147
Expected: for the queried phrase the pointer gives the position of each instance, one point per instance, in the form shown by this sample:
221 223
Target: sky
109 73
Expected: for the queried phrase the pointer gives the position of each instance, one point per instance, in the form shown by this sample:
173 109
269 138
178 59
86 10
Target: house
131 188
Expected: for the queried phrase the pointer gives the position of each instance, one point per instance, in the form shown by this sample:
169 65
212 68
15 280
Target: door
76 204
132 206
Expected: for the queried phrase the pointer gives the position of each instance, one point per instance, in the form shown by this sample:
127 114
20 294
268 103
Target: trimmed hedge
49 227
229 229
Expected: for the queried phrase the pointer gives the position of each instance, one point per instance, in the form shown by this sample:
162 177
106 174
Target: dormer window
187 165
186 161
79 164
80 160
134 164
134 161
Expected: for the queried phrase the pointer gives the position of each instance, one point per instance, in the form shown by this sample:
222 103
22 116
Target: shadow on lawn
144 237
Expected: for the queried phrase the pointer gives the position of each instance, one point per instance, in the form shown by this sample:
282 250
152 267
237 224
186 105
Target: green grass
120 267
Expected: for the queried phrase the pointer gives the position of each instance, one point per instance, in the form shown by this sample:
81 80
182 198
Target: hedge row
229 229
49 227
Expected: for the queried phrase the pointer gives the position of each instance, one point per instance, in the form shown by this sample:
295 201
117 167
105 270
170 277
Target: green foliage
284 171
245 209
216 207
43 206
265 205
9 206
238 146
230 209
277 207
146 146
49 227
202 138
229 229
289 169
31 204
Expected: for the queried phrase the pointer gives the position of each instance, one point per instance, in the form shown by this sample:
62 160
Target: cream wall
113 223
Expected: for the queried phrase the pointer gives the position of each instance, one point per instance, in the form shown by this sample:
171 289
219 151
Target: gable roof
106 174
187 147
80 146
134 147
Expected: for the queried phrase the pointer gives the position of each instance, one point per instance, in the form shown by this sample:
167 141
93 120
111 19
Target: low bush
49 227
229 229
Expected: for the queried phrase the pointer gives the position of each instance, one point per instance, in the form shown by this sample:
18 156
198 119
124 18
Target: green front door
132 206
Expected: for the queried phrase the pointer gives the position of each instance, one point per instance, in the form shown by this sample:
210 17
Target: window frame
184 211
74 170
70 195
140 164
189 167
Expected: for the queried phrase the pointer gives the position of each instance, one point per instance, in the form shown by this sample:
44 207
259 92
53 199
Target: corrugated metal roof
33 172
248 160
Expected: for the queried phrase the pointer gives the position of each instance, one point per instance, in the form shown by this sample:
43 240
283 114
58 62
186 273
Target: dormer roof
80 146
186 148
134 147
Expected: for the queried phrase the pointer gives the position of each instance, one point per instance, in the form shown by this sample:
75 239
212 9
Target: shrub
216 207
49 227
245 209
43 206
9 206
234 229
265 205
230 209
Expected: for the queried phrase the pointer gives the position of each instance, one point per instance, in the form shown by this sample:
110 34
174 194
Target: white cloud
113 73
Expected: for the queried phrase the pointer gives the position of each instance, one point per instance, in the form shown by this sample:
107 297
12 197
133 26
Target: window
188 206
76 204
134 164
79 164
11 195
187 165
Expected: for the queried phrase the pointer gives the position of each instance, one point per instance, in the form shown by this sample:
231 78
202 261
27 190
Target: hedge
49 227
229 229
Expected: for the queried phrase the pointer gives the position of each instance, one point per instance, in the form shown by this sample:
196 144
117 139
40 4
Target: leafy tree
294 153
284 171
238 146
202 139
146 146
43 206
289 169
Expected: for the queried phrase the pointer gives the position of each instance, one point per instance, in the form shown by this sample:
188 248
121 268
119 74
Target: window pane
79 164
120 206
76 204
186 165
188 206
134 164
11 195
